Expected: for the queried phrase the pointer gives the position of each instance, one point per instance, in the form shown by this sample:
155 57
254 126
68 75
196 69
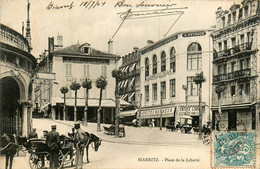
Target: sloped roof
76 50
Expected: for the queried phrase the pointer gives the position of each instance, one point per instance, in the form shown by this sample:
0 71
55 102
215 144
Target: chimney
110 46
50 44
59 40
149 42
135 49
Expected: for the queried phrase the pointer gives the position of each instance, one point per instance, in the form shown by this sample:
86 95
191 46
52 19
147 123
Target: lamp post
161 111
185 87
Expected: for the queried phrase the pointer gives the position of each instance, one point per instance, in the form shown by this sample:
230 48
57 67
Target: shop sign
155 113
192 34
159 75
73 79
193 110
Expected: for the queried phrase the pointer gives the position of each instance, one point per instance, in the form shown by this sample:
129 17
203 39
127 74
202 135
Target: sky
97 25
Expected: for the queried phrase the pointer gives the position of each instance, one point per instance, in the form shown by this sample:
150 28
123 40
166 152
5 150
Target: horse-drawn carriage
39 152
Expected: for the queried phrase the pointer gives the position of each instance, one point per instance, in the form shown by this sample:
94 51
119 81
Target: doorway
232 120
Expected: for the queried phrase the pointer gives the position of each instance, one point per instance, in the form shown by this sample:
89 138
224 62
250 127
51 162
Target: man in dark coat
53 142
33 134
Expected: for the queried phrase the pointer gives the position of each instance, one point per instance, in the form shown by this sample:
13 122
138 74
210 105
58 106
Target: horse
9 148
93 140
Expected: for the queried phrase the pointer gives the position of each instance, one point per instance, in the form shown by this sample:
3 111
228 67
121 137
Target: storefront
127 117
154 114
192 111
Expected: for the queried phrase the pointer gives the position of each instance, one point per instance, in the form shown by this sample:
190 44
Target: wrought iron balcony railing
234 100
232 75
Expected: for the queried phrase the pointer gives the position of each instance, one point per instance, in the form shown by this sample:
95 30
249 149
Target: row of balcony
13 38
232 75
233 100
232 51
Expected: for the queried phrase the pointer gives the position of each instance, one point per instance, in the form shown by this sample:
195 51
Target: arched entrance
10 111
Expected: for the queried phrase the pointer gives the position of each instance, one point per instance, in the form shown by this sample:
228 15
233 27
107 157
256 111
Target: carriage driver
79 139
53 142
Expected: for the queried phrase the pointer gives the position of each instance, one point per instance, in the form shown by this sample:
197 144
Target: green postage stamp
233 149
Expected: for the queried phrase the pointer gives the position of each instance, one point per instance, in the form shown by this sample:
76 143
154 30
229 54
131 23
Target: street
141 148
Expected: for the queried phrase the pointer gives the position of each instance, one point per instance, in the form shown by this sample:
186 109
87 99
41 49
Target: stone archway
10 110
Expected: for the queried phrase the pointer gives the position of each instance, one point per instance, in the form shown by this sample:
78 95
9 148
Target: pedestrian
217 125
33 134
80 145
53 142
45 133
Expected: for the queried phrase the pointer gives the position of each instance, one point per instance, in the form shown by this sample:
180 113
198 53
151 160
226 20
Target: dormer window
86 50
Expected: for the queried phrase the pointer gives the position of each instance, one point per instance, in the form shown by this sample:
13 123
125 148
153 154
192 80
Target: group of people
53 142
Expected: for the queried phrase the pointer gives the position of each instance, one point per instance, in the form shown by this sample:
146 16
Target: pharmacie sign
155 113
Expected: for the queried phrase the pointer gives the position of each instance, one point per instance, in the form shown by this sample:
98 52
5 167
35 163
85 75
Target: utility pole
185 87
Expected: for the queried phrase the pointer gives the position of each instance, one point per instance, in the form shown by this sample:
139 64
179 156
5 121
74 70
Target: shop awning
92 102
131 95
128 113
45 107
125 84
131 83
185 117
124 96
155 113
126 69
132 67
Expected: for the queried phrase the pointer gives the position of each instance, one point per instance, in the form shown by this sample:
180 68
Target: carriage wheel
61 160
35 161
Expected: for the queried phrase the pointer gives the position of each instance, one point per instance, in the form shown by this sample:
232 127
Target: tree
198 80
101 84
64 90
75 87
87 84
219 89
117 74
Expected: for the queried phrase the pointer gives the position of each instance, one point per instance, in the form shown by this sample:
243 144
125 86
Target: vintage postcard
124 84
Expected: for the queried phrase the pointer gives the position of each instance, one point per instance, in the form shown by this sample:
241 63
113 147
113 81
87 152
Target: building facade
129 85
75 63
169 66
16 82
236 66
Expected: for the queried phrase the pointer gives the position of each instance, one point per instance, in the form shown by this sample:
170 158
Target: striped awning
125 84
132 67
131 95
131 83
124 96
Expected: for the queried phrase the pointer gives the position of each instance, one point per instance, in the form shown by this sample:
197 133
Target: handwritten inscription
143 4
84 4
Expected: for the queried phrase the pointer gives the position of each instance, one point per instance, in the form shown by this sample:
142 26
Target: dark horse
9 148
93 140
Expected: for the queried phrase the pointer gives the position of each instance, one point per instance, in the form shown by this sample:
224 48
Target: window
192 87
248 63
246 11
247 88
234 17
223 22
248 36
229 19
104 70
220 46
172 88
154 64
240 14
68 70
219 69
146 89
86 71
146 67
233 41
225 45
233 90
163 90
225 69
242 38
194 56
155 91
242 64
241 88
163 61
172 60
233 66
86 50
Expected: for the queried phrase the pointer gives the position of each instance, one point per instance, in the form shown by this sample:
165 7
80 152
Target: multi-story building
75 63
236 66
129 85
166 67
